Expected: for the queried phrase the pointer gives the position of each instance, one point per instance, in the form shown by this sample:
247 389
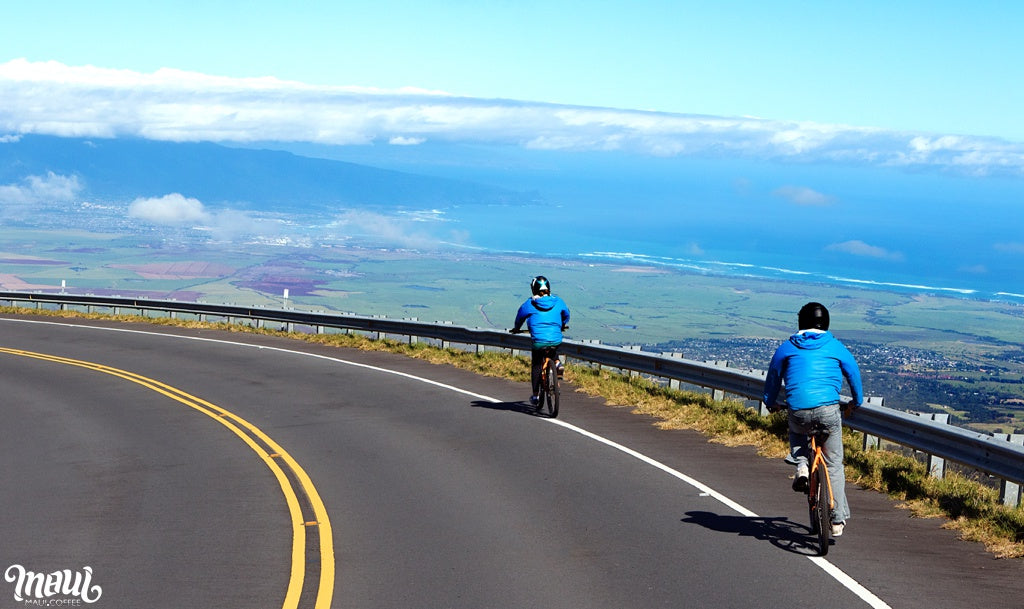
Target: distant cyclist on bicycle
545 315
813 364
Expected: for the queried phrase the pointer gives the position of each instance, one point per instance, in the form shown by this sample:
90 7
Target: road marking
833 571
249 434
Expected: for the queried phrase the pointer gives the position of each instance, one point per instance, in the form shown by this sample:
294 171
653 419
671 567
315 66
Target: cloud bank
419 230
23 199
86 101
176 210
801 195
859 248
40 189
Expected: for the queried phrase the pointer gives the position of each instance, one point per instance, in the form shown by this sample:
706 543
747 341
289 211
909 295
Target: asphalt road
184 468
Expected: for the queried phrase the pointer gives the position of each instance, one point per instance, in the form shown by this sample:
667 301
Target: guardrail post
759 406
1009 492
632 373
717 394
413 339
673 383
593 341
936 465
446 344
869 440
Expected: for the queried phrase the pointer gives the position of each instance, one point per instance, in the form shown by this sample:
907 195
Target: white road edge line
835 572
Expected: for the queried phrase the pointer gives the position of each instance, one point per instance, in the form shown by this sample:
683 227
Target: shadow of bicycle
521 407
779 531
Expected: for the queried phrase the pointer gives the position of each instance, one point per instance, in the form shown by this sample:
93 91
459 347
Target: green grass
966 506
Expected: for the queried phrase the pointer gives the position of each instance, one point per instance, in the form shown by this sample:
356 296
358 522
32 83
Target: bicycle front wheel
822 512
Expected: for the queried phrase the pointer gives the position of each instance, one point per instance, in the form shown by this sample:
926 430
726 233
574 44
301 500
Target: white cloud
975 269
406 141
404 230
170 210
177 210
36 189
801 195
859 248
1009 248
53 98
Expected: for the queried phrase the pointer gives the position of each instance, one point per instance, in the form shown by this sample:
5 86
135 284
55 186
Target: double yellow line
273 456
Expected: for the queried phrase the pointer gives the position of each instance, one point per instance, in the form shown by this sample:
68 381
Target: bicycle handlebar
514 331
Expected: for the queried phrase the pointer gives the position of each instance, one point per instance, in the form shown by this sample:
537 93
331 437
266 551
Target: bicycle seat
820 431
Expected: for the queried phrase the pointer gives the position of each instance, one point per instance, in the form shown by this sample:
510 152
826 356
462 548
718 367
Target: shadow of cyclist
779 531
522 407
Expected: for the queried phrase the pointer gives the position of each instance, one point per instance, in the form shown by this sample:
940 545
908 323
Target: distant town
990 397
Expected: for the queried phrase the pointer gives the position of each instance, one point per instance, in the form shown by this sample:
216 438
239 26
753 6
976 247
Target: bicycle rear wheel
822 512
551 389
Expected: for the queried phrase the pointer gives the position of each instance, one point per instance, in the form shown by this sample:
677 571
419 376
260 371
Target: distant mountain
125 169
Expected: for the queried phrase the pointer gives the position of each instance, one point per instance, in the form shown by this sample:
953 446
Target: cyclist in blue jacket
813 364
545 315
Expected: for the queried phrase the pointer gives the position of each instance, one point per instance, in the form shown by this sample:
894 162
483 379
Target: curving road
184 468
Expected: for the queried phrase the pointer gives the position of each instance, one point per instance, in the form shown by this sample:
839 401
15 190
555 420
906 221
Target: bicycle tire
542 392
552 389
822 510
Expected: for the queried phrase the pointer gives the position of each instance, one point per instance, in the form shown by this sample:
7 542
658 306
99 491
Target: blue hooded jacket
812 364
544 316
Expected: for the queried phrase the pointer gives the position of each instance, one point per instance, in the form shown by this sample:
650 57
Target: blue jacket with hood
813 364
544 316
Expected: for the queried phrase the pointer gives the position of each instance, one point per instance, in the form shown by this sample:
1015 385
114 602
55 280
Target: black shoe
800 484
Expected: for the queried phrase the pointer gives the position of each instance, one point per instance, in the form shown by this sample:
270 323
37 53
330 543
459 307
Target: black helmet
540 284
813 315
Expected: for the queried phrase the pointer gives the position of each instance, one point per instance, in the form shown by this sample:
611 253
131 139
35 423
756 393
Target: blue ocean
908 229
870 227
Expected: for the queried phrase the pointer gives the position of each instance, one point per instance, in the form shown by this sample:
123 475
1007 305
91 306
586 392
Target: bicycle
820 502
549 394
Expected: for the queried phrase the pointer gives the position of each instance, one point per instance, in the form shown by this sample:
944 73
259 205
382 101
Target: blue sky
933 67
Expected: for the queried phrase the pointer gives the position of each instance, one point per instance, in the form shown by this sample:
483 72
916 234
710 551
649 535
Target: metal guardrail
988 454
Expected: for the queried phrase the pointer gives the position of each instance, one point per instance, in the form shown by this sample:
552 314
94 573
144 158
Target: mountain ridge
123 169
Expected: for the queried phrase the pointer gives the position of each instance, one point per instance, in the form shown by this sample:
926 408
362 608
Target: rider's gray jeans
800 424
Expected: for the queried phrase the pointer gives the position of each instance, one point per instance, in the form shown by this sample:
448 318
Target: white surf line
835 572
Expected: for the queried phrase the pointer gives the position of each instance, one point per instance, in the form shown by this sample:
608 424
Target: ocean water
868 227
893 228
